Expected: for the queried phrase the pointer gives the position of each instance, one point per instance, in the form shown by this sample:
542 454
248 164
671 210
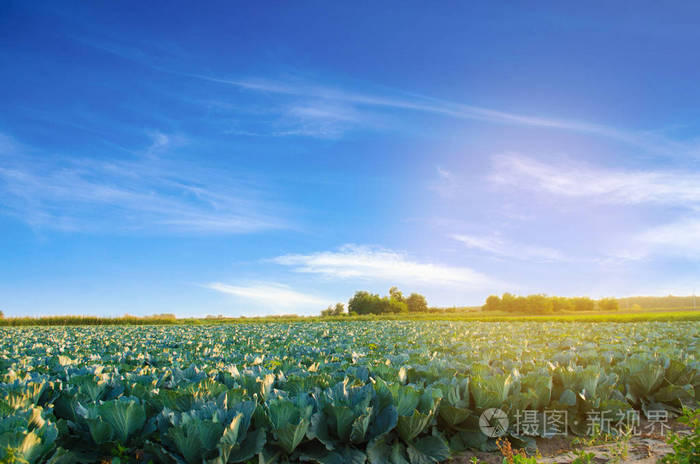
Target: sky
250 158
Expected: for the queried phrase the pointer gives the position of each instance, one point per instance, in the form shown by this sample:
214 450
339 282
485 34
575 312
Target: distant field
621 316
617 316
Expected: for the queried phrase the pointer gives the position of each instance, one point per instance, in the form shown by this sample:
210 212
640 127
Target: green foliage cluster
686 447
521 459
416 303
584 457
543 304
608 304
337 310
659 302
368 303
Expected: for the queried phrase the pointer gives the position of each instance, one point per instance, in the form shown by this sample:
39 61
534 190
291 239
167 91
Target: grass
621 316
686 447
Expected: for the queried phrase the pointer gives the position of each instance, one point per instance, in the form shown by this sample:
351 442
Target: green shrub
686 448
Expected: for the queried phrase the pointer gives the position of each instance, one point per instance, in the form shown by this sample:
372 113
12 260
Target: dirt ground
644 449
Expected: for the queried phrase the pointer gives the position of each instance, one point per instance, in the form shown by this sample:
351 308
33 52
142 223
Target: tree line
364 302
543 304
659 302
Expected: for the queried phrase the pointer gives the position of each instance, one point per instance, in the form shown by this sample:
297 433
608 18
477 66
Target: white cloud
370 263
271 294
500 247
143 192
606 185
446 186
317 119
680 238
490 244
161 142
324 111
444 173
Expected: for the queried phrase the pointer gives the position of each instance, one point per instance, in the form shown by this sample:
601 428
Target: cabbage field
326 392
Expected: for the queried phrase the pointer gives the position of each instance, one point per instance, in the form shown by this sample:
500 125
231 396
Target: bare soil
643 449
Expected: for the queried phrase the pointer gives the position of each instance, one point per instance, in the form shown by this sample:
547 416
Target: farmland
391 391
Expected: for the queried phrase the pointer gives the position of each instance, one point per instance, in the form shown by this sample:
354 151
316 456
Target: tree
395 294
543 304
416 303
339 309
365 303
368 303
493 303
509 303
538 304
390 305
583 303
560 304
608 304
331 310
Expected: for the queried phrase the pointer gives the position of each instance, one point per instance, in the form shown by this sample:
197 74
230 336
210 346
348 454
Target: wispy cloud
307 117
358 96
655 141
446 185
408 101
371 263
502 248
678 191
161 142
612 186
141 193
317 119
680 238
271 294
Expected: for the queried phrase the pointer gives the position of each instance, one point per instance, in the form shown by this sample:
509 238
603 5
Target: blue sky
267 158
